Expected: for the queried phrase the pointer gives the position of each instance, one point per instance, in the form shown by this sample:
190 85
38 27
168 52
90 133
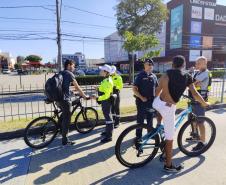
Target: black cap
150 61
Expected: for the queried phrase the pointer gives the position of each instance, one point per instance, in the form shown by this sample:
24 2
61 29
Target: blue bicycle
135 152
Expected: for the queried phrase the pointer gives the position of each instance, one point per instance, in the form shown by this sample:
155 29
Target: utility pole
59 57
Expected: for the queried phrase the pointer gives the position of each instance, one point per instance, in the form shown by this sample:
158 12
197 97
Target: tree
139 42
33 58
138 21
140 16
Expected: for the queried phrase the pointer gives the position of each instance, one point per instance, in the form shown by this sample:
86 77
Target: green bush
218 74
96 79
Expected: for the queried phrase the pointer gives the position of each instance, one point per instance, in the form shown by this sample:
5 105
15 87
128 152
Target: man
202 79
118 85
65 104
170 89
144 91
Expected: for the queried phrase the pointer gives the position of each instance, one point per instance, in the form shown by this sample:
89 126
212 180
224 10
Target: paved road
90 163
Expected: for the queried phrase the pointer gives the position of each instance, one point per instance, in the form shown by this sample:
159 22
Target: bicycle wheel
86 120
190 136
40 132
132 152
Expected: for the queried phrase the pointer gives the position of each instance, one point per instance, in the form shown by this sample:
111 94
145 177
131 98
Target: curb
127 118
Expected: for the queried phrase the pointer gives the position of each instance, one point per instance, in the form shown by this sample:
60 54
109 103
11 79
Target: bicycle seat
48 101
75 101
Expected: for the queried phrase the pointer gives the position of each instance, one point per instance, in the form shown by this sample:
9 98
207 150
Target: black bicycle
135 152
41 131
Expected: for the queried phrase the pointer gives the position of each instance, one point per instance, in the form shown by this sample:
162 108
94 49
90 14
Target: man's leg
140 117
66 119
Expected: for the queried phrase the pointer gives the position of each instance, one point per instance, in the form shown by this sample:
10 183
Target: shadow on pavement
218 111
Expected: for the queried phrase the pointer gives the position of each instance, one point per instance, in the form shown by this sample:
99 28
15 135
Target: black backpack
53 87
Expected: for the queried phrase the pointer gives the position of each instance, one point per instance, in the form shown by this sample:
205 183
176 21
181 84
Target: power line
86 11
19 7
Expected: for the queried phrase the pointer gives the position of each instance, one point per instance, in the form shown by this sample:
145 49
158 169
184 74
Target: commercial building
6 60
78 57
194 28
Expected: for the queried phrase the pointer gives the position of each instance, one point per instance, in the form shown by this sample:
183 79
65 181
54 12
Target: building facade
78 57
6 61
195 28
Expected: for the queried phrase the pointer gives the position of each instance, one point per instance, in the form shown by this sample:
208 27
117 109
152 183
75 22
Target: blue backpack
53 87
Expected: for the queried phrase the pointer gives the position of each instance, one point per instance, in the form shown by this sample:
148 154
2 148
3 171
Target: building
6 61
93 63
196 27
114 52
78 57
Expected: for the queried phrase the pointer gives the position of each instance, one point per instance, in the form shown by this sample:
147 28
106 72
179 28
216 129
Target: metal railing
27 102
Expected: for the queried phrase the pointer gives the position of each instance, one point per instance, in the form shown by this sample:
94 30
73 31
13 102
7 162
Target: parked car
79 72
22 72
6 71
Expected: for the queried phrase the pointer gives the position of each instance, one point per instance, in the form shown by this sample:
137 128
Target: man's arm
78 88
137 94
158 89
197 96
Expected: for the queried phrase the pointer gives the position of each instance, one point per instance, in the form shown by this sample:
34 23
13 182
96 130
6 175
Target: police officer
105 91
144 91
118 85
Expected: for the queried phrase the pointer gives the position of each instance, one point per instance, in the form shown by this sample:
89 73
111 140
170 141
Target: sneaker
173 168
68 143
198 147
103 133
194 137
106 140
116 125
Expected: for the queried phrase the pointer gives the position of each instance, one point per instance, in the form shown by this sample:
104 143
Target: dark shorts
198 110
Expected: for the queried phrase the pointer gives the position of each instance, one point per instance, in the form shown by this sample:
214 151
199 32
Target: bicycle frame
160 129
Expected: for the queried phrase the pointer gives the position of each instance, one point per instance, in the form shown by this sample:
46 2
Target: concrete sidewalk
91 163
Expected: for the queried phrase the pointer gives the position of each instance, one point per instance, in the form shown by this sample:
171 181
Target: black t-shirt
68 77
178 81
146 84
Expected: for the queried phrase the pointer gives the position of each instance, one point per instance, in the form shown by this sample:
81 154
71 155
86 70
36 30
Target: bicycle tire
119 142
84 129
207 146
35 131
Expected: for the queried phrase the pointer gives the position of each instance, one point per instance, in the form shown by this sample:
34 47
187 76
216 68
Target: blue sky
46 28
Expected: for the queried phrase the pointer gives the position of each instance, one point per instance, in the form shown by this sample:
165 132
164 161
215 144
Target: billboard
209 14
176 27
196 12
194 54
207 42
195 41
196 27
207 54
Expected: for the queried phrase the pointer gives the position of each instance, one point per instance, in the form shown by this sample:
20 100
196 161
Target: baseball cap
150 61
106 68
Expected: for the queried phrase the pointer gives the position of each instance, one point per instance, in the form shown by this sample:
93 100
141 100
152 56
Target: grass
22 123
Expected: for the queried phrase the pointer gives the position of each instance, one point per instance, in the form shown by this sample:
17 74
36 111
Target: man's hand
144 99
206 104
87 97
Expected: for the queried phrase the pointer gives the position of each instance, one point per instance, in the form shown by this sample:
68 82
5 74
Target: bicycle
136 152
41 131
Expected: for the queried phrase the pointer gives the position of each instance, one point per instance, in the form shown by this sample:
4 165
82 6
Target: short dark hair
68 62
178 61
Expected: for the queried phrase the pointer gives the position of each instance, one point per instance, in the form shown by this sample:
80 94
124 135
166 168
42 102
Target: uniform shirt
68 77
178 82
106 89
146 84
117 82
203 77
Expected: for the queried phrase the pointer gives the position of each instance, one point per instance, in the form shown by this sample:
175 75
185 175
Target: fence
27 102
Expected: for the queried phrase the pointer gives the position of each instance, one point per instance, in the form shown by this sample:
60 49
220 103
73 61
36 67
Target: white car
6 71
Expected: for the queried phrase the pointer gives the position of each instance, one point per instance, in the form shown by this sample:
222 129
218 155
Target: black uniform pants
106 108
115 110
144 110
